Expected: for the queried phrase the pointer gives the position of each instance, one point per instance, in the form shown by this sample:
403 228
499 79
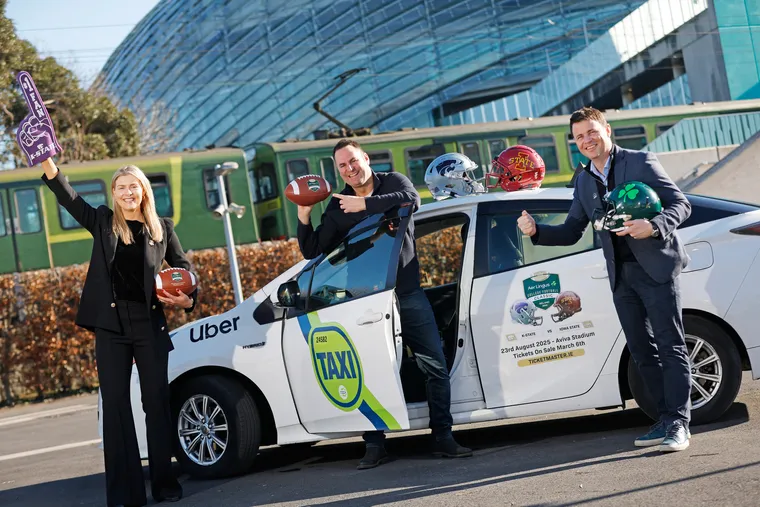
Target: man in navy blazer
644 262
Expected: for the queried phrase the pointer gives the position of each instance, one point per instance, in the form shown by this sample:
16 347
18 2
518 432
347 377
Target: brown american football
308 190
172 279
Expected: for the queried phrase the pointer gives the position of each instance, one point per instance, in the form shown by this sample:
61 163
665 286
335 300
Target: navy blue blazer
663 257
97 307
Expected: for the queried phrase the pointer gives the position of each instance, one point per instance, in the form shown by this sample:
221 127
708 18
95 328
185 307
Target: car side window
358 267
504 250
508 248
537 253
439 250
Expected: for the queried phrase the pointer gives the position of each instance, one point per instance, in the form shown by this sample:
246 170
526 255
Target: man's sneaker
676 438
374 456
449 448
655 436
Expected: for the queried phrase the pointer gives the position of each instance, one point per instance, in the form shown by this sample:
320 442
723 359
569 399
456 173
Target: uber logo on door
210 330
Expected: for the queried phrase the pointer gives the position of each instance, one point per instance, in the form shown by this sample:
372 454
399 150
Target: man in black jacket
367 193
644 261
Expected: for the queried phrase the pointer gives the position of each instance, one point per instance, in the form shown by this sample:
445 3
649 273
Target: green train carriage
409 152
37 233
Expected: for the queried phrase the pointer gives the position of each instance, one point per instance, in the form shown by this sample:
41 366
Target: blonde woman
119 305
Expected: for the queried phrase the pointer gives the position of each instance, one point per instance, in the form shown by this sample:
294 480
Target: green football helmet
631 200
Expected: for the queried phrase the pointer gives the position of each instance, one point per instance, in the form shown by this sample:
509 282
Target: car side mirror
289 294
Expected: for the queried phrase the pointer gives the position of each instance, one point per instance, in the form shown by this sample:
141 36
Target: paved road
559 460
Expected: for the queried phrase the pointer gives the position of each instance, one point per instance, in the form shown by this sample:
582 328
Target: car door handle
369 318
600 276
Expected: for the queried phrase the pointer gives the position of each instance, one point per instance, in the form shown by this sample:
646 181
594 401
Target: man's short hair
346 142
586 113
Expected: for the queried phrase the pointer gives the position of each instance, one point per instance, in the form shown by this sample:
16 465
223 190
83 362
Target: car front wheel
216 426
715 368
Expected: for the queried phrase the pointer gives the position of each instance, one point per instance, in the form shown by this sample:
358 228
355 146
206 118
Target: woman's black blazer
97 307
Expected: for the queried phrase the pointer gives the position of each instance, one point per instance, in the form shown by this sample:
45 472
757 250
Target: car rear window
706 209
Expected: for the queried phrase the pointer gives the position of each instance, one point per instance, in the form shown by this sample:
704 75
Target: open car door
341 335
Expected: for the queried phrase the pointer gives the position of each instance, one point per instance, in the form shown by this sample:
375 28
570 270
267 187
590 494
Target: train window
472 151
93 193
211 189
496 146
328 171
575 153
662 128
162 194
633 138
381 161
544 146
264 183
27 211
417 160
3 230
296 168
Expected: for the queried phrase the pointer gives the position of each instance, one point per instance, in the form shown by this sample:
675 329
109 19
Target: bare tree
156 127
156 122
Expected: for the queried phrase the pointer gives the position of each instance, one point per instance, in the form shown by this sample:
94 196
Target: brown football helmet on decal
568 303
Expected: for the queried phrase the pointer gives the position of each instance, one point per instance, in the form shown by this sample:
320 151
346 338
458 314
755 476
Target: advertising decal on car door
547 343
338 370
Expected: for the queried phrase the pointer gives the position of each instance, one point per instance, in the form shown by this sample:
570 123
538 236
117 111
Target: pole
234 272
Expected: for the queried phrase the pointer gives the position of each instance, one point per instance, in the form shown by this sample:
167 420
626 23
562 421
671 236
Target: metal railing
707 132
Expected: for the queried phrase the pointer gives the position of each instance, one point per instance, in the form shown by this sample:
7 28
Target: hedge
43 353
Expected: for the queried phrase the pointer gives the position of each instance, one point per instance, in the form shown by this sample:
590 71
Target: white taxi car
317 353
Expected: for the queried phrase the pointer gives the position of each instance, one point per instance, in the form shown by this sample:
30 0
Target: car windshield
369 222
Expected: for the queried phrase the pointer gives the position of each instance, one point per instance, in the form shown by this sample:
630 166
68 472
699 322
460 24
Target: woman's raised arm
68 197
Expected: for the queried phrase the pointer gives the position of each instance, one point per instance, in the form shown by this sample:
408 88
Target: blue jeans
650 314
420 333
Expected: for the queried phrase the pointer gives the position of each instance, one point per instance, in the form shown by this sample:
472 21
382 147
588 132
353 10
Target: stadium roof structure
236 72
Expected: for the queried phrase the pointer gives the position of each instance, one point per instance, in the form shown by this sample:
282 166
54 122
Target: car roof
562 193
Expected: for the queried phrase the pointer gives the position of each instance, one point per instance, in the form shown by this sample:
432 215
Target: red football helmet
516 168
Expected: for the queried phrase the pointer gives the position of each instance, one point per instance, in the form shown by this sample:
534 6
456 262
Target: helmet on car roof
451 175
516 168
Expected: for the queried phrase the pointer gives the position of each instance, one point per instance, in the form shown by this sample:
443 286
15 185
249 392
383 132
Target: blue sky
80 34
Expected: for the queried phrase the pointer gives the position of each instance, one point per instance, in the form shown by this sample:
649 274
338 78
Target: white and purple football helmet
451 175
524 312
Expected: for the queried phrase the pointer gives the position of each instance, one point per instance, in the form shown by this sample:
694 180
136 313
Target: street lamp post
223 211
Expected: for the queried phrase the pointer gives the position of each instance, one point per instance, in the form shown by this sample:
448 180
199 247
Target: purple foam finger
35 135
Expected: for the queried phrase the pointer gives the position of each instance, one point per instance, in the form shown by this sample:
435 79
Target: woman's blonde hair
147 208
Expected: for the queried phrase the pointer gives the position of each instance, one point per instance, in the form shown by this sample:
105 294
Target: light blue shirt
606 170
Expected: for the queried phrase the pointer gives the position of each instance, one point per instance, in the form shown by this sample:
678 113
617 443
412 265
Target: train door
326 167
8 254
23 243
471 150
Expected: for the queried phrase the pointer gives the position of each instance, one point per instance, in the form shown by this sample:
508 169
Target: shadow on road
503 453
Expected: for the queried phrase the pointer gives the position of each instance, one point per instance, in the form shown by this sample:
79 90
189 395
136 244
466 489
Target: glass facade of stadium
234 72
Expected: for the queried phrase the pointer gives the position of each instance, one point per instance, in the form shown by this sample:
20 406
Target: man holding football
367 193
644 261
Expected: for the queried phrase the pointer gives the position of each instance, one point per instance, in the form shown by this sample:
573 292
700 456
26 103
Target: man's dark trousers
646 309
420 333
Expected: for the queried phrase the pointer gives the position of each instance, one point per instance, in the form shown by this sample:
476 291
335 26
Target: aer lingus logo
628 192
542 289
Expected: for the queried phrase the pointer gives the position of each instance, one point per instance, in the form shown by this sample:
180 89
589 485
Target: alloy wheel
202 429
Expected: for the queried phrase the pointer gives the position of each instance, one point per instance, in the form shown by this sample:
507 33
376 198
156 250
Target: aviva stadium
234 72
